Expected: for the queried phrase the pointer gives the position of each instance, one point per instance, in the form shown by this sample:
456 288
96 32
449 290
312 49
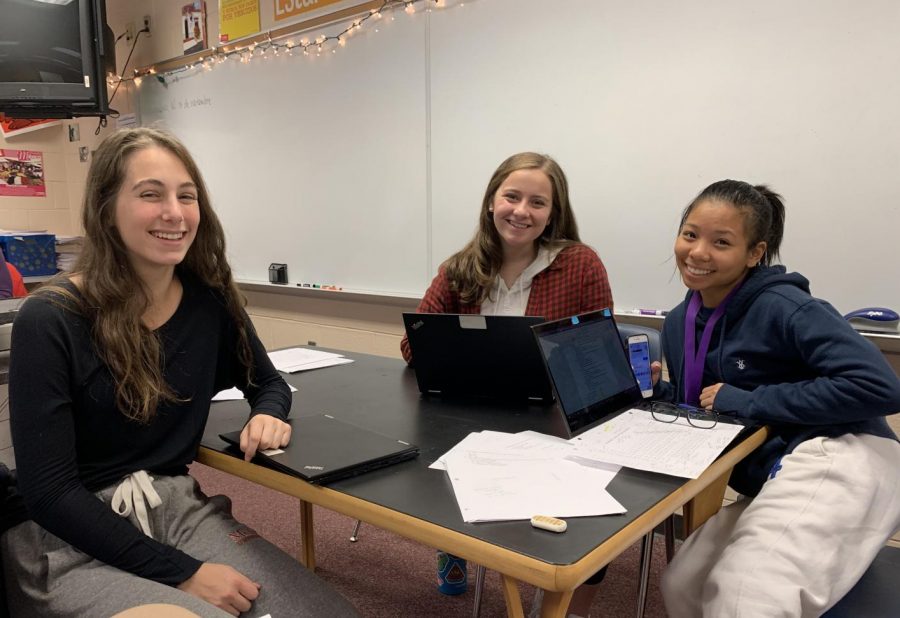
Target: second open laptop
324 449
477 355
589 369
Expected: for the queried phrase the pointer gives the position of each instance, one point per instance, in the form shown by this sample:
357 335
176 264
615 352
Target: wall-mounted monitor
54 56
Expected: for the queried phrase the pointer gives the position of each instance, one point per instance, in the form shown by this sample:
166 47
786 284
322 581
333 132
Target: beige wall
368 327
64 174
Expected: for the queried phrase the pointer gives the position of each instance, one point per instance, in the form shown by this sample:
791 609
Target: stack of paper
499 476
293 360
67 250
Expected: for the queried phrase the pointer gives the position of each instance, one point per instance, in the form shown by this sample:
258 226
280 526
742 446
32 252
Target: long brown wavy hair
112 296
473 270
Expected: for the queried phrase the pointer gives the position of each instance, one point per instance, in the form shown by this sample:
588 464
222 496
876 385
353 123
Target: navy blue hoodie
789 361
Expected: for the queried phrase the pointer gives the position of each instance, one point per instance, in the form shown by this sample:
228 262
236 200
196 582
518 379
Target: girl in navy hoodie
822 495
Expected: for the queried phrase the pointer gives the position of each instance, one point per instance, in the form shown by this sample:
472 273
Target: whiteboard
642 103
315 162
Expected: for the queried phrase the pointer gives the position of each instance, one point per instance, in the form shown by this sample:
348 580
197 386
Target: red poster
22 173
16 126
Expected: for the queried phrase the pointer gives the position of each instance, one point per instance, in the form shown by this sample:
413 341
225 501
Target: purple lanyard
695 358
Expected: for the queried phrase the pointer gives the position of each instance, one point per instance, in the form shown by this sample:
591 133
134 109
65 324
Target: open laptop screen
588 367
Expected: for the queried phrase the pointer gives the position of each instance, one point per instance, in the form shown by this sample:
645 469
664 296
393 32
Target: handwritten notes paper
635 440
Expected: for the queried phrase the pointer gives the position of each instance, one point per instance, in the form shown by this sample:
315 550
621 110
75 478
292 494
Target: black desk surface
381 394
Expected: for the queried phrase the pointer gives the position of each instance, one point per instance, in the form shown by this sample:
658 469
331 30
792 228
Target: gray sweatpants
46 576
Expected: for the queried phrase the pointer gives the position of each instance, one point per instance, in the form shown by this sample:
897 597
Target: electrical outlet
129 31
147 24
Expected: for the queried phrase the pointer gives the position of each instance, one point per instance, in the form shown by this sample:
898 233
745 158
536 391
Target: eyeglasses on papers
666 412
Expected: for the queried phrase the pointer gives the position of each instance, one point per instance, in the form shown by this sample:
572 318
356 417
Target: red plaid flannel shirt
575 282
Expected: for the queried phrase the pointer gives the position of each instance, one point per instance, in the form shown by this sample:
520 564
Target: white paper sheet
497 487
234 393
325 362
476 441
635 440
293 360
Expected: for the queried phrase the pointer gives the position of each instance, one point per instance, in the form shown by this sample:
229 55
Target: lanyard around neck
695 357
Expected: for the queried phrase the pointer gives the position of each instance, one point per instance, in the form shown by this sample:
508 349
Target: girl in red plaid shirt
526 257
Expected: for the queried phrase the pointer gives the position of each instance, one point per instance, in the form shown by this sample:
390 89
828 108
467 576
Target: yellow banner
237 18
291 8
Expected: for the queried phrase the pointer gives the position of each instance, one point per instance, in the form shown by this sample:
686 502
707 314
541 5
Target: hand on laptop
263 432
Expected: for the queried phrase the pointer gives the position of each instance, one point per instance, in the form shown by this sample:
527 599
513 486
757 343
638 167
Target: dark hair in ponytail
762 208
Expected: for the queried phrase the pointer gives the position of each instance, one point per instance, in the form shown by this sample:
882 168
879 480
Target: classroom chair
875 595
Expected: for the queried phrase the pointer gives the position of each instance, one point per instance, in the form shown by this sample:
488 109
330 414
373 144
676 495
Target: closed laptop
325 449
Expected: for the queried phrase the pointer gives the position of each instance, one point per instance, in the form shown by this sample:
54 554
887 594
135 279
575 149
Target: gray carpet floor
387 576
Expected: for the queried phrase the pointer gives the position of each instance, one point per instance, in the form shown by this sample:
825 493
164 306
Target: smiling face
712 250
522 207
156 210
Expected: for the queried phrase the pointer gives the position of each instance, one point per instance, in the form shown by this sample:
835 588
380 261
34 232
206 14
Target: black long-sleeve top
71 439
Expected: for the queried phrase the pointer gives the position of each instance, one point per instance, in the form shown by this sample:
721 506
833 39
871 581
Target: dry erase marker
649 312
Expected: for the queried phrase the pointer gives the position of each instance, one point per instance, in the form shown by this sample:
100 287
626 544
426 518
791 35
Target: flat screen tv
54 55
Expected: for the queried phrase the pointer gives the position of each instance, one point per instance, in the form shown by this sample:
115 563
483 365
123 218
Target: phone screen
639 355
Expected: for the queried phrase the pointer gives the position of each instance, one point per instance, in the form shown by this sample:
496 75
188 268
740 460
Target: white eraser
545 522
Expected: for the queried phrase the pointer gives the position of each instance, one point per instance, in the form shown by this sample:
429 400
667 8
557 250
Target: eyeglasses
666 412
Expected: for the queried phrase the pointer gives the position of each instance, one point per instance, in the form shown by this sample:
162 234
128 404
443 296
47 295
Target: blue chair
627 330
876 594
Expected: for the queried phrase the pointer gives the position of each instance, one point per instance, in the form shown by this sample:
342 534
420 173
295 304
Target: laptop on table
588 368
477 355
324 449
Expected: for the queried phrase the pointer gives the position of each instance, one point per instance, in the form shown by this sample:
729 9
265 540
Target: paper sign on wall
16 126
237 18
193 27
285 9
22 173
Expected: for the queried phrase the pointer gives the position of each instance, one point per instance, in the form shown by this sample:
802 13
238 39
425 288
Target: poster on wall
285 9
193 27
22 173
237 18
17 126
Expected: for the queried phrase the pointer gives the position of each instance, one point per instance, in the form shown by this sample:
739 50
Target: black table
409 499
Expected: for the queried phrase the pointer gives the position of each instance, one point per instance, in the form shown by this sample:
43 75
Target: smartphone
639 355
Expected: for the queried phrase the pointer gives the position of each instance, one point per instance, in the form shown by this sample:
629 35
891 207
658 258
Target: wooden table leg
513 598
556 604
307 536
705 504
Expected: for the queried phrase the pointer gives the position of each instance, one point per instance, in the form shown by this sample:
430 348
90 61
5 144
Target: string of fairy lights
285 45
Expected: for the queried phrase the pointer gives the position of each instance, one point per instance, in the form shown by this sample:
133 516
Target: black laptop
477 355
324 449
589 369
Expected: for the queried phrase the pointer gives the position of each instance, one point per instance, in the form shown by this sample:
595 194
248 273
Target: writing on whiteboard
188 103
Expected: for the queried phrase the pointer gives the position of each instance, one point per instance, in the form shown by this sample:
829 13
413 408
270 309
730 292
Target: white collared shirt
513 299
